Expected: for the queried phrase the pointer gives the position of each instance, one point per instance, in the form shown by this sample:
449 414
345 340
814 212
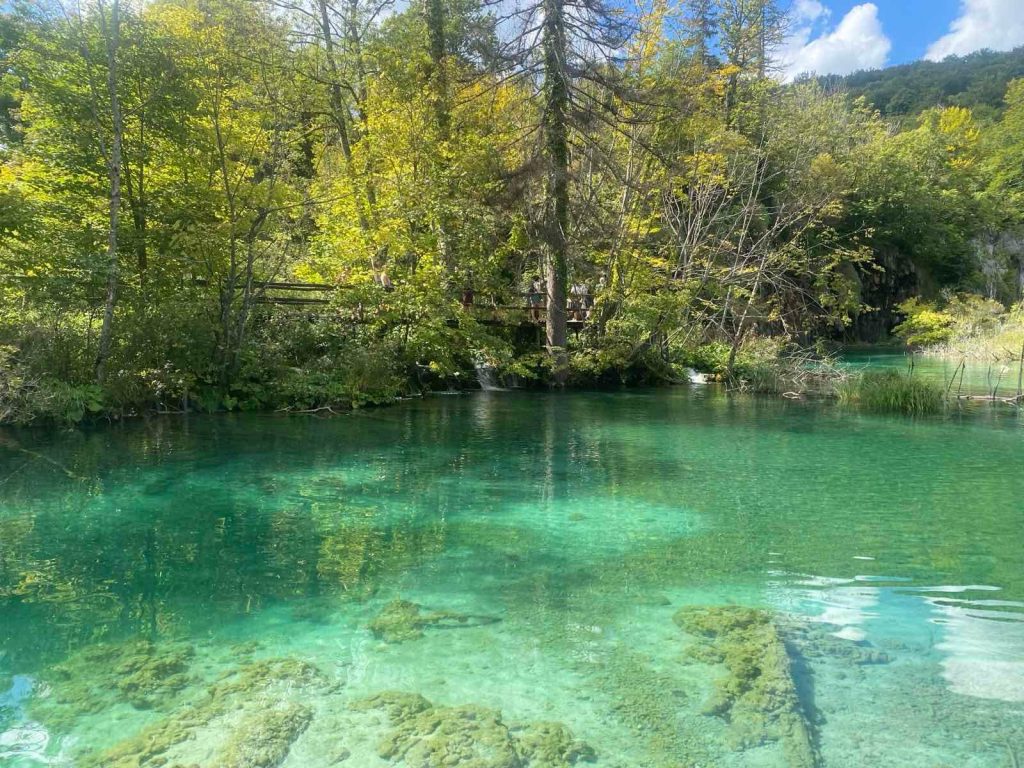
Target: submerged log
758 696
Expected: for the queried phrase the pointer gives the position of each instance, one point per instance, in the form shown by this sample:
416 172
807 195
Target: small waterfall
486 376
695 377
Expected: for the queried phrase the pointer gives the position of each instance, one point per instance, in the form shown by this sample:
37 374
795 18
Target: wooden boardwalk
316 294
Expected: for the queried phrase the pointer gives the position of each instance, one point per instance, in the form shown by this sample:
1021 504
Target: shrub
925 324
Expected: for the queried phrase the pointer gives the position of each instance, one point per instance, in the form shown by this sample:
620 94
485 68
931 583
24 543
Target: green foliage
924 324
966 326
892 392
400 172
977 81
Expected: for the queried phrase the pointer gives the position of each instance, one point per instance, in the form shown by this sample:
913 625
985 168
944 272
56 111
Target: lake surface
957 377
648 579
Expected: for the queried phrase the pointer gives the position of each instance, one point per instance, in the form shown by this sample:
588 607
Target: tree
567 43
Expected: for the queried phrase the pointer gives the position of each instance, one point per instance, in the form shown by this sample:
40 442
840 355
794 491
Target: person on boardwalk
579 300
535 299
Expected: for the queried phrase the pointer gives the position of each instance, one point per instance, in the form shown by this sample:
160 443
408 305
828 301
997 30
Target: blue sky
912 25
842 36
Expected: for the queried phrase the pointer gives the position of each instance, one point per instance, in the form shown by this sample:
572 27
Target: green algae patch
650 704
245 715
423 735
757 696
402 620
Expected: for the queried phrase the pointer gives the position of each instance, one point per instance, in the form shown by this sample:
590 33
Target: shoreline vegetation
217 205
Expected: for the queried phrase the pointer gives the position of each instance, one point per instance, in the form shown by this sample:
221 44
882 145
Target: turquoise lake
643 579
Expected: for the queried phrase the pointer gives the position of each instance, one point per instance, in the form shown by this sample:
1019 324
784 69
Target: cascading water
486 375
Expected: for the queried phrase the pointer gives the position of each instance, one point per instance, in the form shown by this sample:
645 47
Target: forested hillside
296 205
977 81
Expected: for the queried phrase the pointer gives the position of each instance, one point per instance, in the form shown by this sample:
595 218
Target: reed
892 392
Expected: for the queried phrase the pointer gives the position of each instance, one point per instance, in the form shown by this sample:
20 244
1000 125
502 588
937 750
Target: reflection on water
523 556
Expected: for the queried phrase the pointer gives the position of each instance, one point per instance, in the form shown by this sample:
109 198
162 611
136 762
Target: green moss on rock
758 696
469 737
399 706
426 736
150 676
143 674
260 736
552 745
402 620
264 738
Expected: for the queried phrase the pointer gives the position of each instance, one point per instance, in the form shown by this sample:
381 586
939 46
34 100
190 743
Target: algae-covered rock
248 707
402 620
399 706
144 674
149 676
552 745
469 737
422 735
758 696
264 738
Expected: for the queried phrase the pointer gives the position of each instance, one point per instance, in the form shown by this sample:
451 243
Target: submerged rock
445 736
150 676
402 620
143 674
551 745
757 697
422 735
263 739
247 713
815 642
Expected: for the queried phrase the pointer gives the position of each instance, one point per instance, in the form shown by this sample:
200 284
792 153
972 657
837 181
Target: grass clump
892 392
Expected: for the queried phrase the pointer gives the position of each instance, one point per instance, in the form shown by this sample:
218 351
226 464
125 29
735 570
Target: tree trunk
112 32
556 191
435 18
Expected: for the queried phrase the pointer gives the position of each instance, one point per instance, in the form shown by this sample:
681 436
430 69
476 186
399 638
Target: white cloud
857 42
994 24
808 11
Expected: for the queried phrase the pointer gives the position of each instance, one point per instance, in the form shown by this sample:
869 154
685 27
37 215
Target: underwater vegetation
650 704
757 697
402 620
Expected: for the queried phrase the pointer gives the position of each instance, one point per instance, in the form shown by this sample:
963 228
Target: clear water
958 377
565 531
